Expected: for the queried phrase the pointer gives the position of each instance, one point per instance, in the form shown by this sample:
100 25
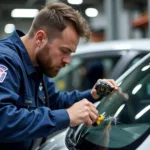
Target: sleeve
59 100
17 124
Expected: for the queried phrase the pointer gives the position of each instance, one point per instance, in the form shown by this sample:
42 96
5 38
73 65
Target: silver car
125 117
114 57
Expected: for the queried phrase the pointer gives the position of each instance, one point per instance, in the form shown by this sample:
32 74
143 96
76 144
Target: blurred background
108 19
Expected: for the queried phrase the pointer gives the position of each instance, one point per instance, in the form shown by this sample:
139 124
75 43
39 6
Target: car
125 117
114 57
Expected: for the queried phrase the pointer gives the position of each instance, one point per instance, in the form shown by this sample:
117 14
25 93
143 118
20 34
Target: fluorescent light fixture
91 12
75 2
9 28
24 13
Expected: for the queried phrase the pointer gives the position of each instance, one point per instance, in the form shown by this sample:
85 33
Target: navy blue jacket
23 114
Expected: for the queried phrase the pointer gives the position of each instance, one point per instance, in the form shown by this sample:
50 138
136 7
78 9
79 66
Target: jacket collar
15 37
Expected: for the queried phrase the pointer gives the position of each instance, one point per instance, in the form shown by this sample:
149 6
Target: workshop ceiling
6 6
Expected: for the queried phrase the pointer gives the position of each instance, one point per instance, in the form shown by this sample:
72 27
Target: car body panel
55 142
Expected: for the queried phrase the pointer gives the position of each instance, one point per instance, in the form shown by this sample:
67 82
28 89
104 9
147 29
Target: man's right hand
82 112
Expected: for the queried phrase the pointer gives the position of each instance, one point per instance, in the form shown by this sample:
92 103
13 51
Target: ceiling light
9 28
91 12
24 13
75 2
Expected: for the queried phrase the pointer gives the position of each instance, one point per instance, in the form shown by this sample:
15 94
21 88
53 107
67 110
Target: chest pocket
27 102
41 97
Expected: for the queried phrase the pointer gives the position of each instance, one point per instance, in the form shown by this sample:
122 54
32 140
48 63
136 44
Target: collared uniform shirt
23 114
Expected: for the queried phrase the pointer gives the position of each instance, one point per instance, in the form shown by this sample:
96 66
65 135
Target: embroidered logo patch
3 72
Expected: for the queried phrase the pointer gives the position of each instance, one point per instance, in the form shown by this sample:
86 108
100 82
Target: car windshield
126 113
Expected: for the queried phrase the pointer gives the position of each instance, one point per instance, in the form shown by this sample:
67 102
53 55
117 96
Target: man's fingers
82 112
111 82
114 84
93 114
94 111
93 117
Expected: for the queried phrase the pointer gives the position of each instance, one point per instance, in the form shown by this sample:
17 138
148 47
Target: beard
46 65
50 72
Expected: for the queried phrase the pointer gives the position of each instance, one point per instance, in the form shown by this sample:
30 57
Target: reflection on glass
119 83
136 89
142 112
145 67
119 110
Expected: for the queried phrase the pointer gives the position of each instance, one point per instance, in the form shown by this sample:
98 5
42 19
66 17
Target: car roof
135 44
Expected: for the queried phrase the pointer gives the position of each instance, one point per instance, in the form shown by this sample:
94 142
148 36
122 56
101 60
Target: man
30 106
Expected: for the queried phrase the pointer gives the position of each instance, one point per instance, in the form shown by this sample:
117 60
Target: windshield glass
126 113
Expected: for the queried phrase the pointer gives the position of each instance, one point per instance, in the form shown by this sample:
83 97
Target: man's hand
82 112
111 83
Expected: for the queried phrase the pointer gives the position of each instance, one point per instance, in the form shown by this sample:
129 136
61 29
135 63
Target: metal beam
113 11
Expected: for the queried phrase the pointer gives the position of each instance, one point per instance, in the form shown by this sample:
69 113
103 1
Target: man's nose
67 59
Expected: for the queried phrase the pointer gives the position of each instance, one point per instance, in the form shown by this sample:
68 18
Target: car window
82 73
126 114
135 60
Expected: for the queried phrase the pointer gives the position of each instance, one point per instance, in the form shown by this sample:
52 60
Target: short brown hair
55 16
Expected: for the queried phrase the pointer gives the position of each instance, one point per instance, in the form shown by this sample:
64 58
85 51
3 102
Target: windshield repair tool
103 88
100 118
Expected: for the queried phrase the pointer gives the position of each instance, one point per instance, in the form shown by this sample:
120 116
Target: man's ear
40 38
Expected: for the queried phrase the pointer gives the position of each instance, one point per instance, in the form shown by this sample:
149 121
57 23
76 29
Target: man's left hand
110 82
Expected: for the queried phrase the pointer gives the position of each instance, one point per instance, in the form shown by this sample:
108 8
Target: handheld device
103 88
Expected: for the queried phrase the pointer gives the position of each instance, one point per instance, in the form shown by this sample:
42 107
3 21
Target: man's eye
65 51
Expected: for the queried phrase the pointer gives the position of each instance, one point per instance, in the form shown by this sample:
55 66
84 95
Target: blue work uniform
23 114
